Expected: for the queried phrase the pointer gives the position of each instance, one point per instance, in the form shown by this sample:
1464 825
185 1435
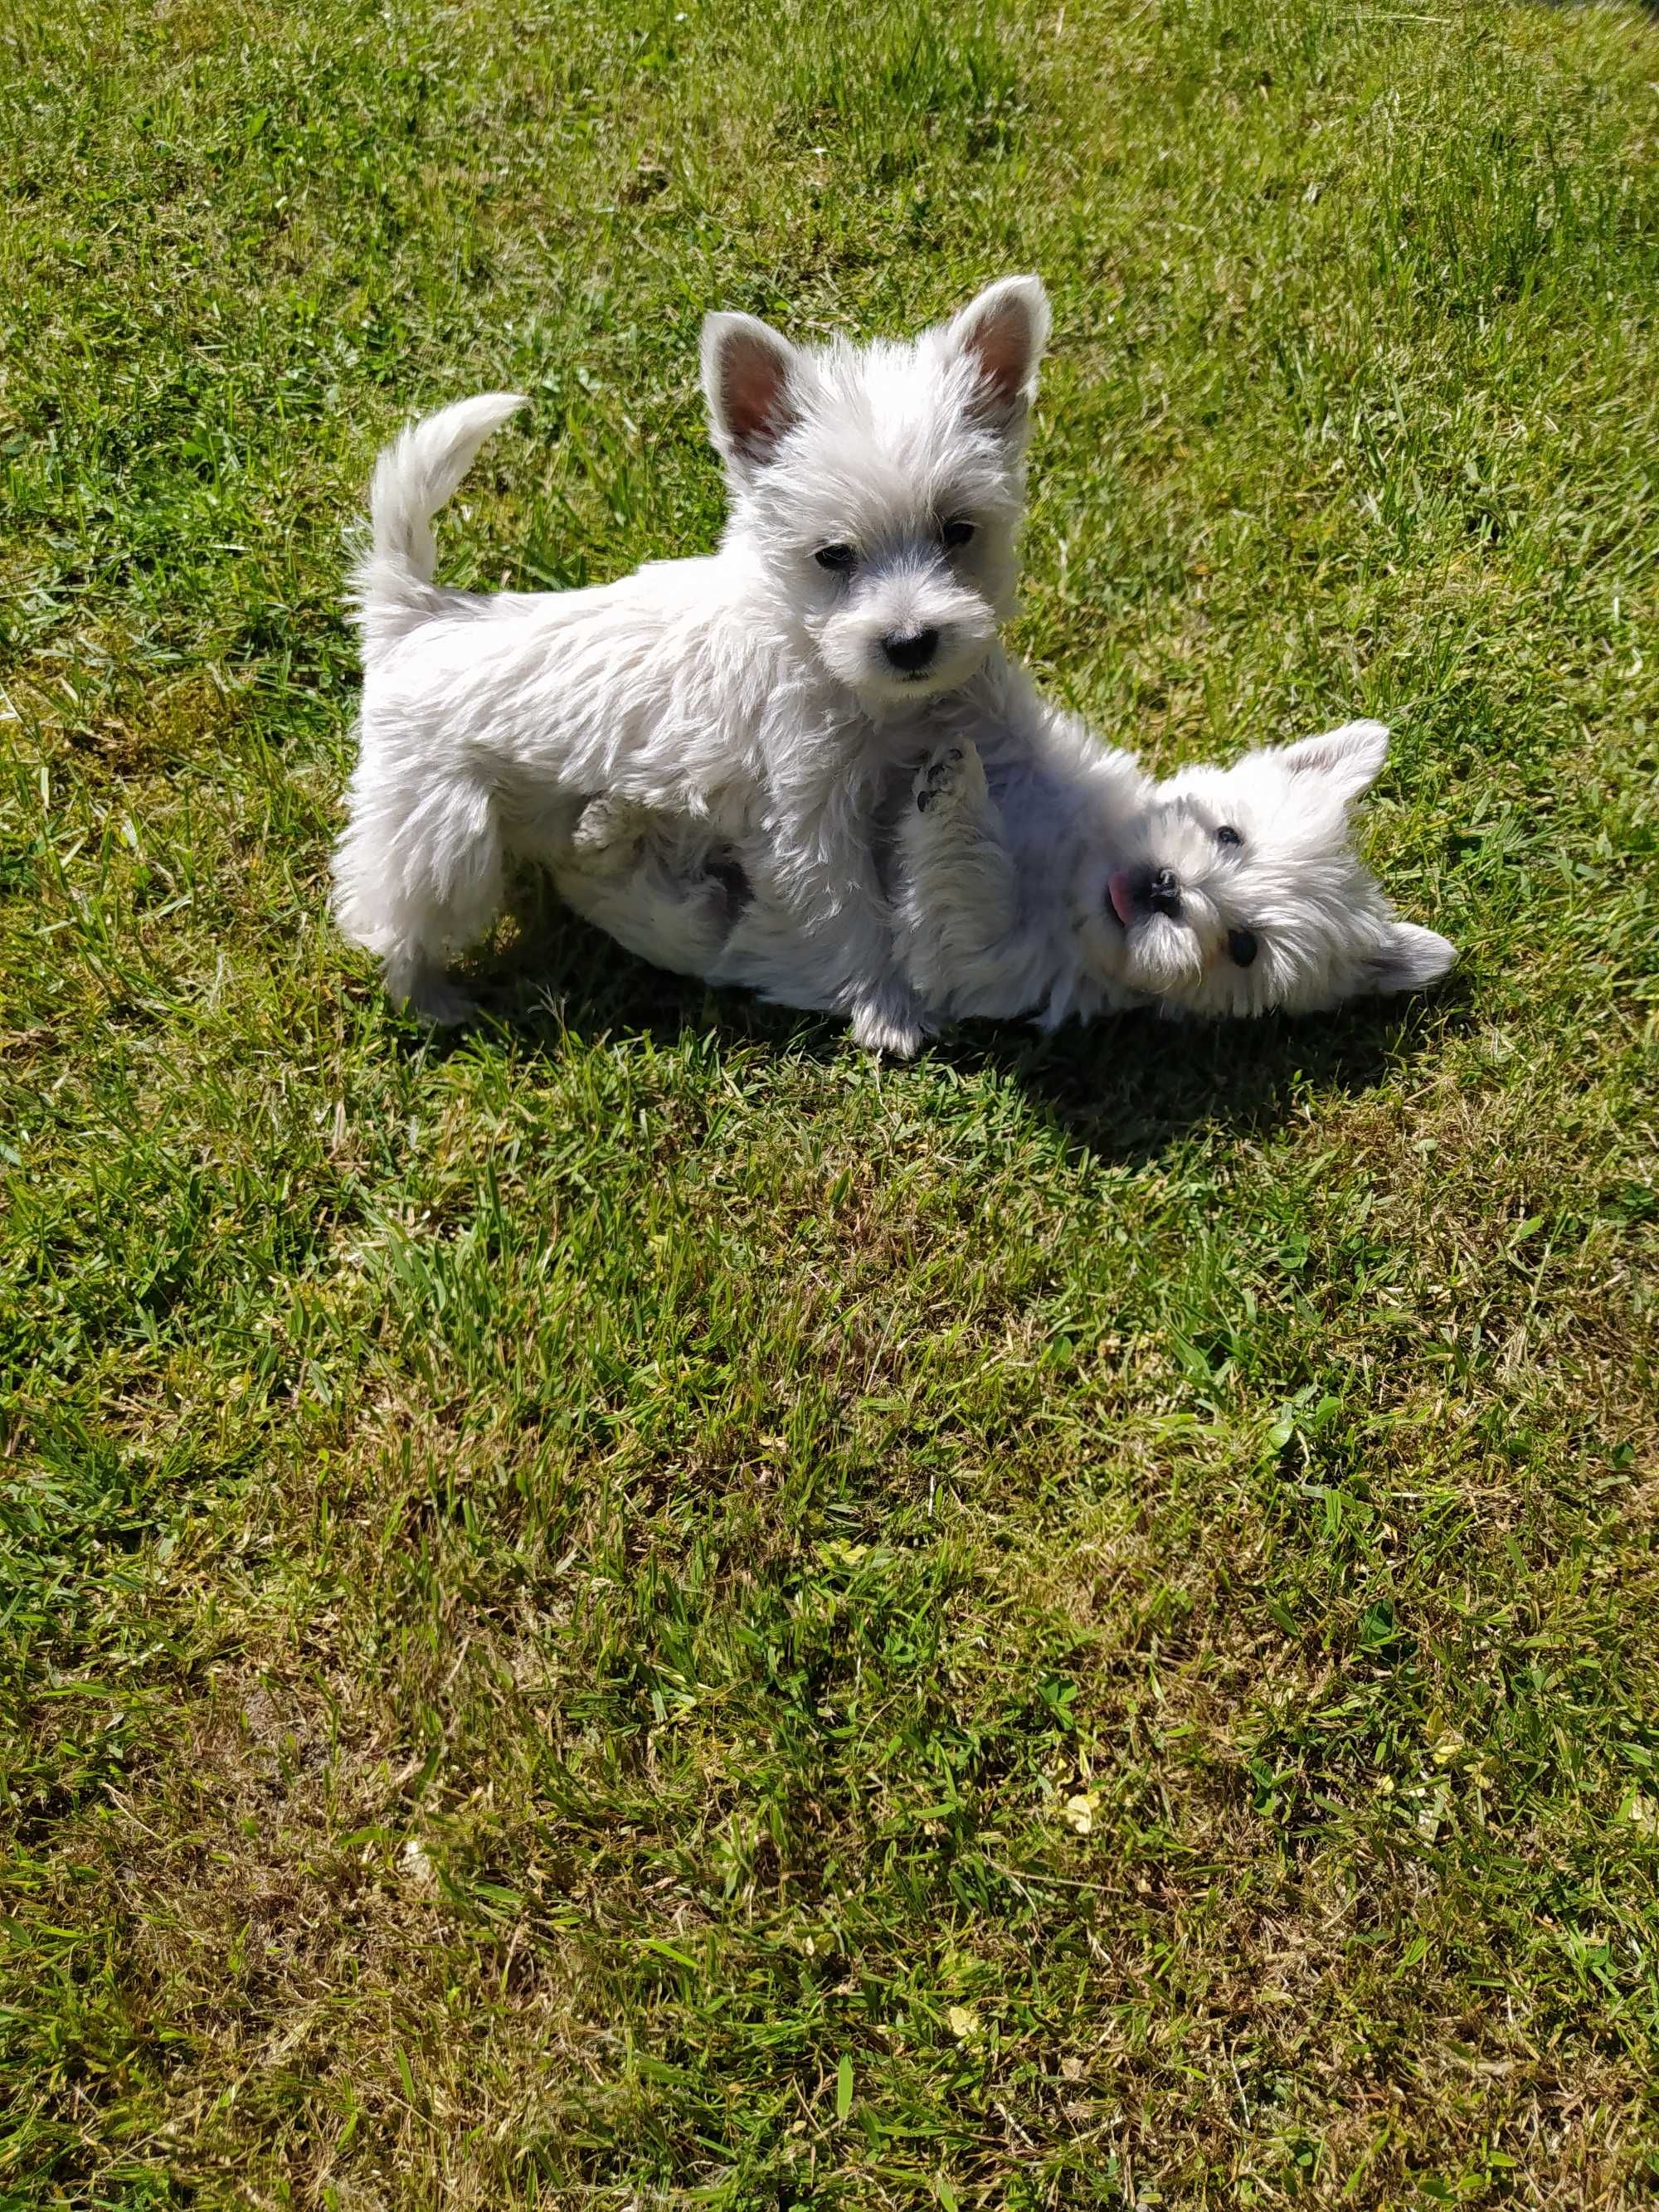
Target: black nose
911 652
1163 892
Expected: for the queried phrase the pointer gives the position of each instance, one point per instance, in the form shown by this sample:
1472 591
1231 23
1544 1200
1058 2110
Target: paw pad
939 771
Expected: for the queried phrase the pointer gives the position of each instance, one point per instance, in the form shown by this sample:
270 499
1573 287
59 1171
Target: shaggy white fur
1034 872
761 695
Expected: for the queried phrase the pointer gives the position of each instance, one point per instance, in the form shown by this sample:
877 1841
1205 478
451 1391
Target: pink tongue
1122 896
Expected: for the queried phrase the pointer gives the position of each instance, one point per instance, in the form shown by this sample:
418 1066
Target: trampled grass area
639 1611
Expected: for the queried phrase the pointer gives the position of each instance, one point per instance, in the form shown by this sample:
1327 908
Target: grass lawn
635 1610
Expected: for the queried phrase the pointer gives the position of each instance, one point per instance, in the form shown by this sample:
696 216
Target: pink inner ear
1312 757
1001 347
755 395
1349 758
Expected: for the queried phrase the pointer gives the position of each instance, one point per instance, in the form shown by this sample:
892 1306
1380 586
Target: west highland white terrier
1032 873
760 697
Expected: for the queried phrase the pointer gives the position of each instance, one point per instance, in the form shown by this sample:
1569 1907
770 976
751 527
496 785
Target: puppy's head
879 488
1238 890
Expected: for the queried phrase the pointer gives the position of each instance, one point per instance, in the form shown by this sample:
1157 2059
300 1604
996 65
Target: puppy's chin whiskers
1163 956
892 702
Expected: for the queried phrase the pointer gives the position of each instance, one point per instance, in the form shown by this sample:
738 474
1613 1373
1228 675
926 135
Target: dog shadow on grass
1123 1089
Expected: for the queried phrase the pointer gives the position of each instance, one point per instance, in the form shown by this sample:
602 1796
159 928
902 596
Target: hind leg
418 877
657 886
415 979
608 835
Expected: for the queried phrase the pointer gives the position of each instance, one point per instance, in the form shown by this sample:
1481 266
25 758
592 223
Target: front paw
878 1027
949 775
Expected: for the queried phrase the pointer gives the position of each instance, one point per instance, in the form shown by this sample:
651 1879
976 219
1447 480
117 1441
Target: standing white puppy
767 689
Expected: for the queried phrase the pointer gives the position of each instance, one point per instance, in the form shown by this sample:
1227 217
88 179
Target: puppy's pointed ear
1347 762
1002 333
1412 959
752 379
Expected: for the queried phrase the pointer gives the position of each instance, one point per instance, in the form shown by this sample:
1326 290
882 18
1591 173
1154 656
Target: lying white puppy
1032 873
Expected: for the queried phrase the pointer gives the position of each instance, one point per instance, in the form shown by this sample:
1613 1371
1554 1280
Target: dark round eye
1226 835
841 558
1240 944
957 532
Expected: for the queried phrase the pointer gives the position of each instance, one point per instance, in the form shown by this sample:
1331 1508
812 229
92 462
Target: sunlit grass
640 1610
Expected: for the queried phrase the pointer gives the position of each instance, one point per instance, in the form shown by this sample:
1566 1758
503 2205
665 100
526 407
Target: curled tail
392 584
